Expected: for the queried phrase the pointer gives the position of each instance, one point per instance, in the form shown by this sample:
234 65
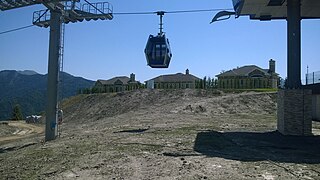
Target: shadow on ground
132 131
253 146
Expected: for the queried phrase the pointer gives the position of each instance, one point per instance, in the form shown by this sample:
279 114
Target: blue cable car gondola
157 51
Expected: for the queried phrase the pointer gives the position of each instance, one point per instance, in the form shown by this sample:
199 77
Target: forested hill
28 89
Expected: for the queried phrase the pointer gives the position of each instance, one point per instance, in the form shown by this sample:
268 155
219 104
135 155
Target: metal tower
58 12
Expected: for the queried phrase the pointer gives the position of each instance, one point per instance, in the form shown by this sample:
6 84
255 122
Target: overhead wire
199 10
172 12
25 27
17 29
134 13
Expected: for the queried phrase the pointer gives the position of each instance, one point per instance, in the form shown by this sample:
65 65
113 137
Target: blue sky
104 49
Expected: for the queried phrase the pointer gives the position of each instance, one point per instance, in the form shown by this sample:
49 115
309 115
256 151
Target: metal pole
161 24
307 75
294 44
161 13
53 73
313 78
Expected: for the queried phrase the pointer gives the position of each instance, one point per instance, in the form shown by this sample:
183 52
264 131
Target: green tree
215 83
285 83
196 82
208 83
16 113
205 82
201 84
95 90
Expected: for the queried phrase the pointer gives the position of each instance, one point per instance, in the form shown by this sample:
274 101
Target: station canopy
274 9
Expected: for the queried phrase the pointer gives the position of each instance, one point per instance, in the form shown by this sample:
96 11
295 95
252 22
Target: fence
313 78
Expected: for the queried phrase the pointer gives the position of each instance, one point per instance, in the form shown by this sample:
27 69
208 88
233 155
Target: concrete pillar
294 44
53 73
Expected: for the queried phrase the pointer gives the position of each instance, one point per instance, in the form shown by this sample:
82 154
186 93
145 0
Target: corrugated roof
179 77
243 71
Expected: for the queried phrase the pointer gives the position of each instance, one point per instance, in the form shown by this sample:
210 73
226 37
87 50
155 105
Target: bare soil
13 130
166 134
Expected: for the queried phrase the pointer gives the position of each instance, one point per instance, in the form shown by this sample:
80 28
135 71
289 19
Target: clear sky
104 49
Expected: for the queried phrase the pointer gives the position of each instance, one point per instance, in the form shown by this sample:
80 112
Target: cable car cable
24 27
134 13
198 10
17 29
172 12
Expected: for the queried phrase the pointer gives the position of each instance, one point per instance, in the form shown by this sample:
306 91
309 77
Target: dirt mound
98 106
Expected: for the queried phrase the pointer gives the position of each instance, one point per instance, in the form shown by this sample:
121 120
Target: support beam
294 44
53 73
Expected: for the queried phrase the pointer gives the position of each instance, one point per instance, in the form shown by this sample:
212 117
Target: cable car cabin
157 51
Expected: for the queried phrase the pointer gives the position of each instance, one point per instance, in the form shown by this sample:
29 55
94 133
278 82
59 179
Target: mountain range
28 89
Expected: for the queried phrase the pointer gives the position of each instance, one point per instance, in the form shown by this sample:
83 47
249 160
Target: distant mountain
27 72
29 89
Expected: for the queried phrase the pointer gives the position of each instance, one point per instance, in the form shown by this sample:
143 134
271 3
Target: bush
16 113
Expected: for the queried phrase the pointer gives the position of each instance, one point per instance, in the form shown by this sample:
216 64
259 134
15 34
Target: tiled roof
179 77
123 79
243 71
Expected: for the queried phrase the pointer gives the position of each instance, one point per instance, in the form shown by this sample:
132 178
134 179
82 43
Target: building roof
243 71
179 77
123 79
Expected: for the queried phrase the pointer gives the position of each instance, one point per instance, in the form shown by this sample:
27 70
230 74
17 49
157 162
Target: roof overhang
274 9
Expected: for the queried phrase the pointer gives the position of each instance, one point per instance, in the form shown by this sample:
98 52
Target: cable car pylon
57 13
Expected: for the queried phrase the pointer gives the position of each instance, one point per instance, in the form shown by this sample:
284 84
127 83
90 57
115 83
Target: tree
209 83
197 84
95 90
285 83
205 82
216 83
16 113
201 84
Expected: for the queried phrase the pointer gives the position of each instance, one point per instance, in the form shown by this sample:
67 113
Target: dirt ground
162 134
13 130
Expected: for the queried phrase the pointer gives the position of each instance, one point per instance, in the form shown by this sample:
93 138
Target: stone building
249 77
173 81
117 84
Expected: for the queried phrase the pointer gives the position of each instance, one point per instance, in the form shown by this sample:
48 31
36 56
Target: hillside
28 89
99 106
165 134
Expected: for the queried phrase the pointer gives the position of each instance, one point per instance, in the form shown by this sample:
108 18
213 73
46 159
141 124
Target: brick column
295 112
